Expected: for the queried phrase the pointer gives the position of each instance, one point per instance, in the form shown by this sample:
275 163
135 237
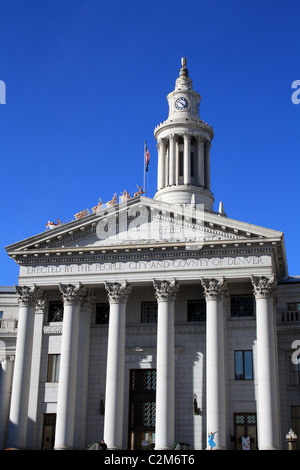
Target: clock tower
183 143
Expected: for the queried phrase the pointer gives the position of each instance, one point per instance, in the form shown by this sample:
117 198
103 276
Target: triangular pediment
143 221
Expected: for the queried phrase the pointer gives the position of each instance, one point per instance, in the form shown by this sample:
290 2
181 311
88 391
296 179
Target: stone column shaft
187 159
165 292
6 377
172 160
267 380
207 164
21 380
161 164
215 292
66 399
201 166
114 395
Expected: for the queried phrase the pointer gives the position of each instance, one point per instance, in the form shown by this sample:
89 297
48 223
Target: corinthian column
68 367
267 380
165 292
114 395
215 293
21 379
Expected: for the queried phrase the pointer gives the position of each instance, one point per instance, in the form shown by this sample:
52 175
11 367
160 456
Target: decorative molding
27 296
263 288
215 289
117 293
72 294
165 291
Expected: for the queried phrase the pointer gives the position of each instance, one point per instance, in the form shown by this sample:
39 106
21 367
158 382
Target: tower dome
183 143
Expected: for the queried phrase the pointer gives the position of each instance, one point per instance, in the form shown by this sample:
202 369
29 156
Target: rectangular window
243 365
53 367
196 310
55 311
102 314
242 305
149 312
192 164
293 306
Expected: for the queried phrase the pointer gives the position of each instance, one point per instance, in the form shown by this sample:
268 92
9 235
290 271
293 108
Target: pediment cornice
79 240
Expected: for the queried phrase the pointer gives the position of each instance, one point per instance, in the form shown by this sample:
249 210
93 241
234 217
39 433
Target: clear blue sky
86 84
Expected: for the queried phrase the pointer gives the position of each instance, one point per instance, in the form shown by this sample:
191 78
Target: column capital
27 296
41 301
71 293
165 291
187 135
215 289
88 300
263 288
117 293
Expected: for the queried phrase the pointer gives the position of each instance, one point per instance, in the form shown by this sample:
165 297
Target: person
211 441
103 445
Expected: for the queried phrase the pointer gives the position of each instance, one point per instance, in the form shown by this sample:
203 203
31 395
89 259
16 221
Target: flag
146 156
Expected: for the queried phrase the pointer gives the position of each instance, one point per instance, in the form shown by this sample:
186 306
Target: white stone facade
176 323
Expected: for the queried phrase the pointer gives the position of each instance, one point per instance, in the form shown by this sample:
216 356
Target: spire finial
183 70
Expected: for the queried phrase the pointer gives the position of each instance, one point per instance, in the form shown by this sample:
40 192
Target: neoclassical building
153 320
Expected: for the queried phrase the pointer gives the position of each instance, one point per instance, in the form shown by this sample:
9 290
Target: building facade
150 321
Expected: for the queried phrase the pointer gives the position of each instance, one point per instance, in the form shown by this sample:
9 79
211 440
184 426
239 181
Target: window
53 367
243 365
293 306
242 305
196 310
149 312
55 311
293 311
102 314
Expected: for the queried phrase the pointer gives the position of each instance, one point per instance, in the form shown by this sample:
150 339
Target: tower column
172 159
207 164
114 395
215 292
161 147
201 166
21 379
165 292
66 399
267 377
187 158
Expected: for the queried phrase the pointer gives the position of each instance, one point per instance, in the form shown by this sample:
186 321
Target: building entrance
142 396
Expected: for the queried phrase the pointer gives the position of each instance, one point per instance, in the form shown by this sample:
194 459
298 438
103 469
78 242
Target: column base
62 447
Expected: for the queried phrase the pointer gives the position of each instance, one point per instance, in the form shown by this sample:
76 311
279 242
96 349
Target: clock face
181 103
